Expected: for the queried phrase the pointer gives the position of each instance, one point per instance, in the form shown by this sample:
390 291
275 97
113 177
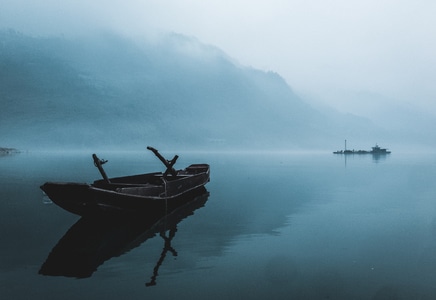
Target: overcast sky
327 50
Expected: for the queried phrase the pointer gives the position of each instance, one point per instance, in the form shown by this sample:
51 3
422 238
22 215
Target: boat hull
84 199
133 197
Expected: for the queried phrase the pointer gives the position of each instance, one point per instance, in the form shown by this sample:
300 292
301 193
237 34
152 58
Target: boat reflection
379 157
375 158
93 240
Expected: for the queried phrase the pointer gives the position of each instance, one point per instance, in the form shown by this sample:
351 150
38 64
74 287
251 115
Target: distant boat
376 150
129 194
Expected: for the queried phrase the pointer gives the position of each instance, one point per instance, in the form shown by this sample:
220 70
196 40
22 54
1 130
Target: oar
98 163
168 163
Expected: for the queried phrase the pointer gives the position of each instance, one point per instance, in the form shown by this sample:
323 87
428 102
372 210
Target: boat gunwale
112 187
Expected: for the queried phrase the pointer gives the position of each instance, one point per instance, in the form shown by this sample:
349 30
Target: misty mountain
110 91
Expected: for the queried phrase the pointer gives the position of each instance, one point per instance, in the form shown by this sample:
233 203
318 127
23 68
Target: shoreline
5 151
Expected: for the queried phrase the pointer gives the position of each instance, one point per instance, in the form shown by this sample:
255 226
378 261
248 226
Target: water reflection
95 239
376 157
379 157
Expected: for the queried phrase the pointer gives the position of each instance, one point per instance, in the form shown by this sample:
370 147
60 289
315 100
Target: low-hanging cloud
328 50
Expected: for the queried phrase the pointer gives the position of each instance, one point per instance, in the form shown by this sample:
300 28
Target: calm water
279 226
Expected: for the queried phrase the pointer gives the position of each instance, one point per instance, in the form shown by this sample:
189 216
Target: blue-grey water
275 225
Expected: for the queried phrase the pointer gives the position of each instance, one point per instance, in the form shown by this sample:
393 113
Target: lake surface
275 225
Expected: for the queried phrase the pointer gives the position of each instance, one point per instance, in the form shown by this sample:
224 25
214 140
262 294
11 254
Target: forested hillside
110 91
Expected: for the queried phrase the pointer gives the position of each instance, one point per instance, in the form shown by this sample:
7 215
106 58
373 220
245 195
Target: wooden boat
129 194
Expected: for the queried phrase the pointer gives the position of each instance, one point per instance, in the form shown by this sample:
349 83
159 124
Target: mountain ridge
112 91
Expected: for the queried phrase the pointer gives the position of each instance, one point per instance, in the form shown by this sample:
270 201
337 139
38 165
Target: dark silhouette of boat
95 239
129 194
376 150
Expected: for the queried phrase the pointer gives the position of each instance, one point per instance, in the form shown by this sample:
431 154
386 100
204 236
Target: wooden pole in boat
98 163
168 163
